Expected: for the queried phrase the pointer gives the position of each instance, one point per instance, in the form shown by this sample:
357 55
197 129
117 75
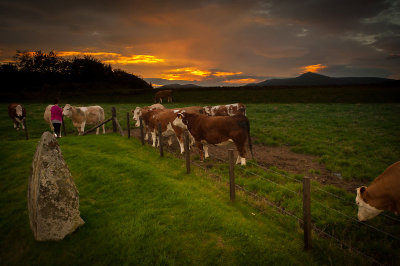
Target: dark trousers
57 127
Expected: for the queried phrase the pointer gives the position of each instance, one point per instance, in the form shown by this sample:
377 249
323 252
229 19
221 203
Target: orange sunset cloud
313 68
240 81
115 58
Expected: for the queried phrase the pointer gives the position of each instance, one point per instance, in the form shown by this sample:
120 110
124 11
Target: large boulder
53 200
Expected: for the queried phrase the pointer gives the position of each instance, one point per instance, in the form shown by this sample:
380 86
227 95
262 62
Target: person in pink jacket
56 118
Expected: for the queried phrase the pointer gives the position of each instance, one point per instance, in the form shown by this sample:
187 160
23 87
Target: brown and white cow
163 94
139 111
383 194
165 118
226 110
218 130
18 114
80 116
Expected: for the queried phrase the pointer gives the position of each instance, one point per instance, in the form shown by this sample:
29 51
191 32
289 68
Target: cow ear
362 190
179 115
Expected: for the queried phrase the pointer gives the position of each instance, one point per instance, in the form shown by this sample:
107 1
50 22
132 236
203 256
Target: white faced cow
80 116
382 194
165 118
18 114
139 111
217 130
225 110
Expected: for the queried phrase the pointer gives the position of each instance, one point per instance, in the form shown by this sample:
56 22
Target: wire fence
281 209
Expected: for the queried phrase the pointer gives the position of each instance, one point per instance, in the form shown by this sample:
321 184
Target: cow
218 130
18 114
139 111
225 110
81 116
165 118
47 116
383 194
163 94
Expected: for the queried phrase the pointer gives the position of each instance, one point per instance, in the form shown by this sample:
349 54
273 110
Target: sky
212 42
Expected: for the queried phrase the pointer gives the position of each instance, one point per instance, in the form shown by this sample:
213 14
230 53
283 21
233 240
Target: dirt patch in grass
281 157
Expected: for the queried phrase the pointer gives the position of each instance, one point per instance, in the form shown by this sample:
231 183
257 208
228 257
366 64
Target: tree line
39 74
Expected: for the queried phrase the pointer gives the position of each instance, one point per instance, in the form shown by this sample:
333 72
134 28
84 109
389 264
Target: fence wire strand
316 229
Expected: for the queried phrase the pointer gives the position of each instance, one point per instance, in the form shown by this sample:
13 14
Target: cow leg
206 151
200 147
169 140
104 130
153 135
15 125
22 124
97 131
180 141
146 133
82 128
241 153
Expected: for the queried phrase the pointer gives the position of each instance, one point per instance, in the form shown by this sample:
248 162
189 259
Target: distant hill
313 79
179 86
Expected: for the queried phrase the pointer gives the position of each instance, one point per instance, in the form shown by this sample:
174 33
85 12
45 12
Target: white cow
47 116
80 116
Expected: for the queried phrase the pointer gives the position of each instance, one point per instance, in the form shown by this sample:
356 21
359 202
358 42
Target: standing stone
53 200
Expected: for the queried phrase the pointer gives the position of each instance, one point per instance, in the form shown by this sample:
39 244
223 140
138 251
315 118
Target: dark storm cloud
257 38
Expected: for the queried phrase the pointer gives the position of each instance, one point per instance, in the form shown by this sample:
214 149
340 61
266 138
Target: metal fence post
307 213
231 175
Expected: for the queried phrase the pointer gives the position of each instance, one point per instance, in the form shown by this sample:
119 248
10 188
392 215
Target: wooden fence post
141 130
307 213
114 115
26 129
187 152
128 125
160 140
231 175
63 126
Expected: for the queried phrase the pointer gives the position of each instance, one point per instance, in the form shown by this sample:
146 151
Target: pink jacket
56 113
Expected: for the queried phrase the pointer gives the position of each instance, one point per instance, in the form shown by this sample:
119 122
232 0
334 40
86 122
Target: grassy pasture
322 129
136 213
356 140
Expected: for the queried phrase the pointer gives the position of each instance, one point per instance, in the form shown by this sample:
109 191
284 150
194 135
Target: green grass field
358 141
137 213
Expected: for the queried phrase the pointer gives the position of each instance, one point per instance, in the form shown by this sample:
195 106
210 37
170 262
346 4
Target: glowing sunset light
313 68
135 59
223 74
240 81
75 53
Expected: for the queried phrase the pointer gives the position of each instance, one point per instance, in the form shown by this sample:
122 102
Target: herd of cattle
219 125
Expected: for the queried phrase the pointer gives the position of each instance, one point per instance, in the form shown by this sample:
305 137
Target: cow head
207 110
365 210
67 110
136 114
18 110
180 120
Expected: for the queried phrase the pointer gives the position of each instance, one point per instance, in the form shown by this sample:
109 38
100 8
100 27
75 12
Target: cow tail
249 138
